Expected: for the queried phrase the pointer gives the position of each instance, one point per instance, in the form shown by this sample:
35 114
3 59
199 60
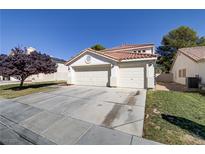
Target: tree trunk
21 84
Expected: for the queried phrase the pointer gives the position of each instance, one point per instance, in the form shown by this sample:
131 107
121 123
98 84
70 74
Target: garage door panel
97 76
131 77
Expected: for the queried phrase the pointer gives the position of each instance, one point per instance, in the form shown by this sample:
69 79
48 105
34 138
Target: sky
64 33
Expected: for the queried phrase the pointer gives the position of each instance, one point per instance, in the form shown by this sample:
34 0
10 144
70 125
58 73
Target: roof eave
139 59
201 60
75 57
175 58
188 56
129 48
88 50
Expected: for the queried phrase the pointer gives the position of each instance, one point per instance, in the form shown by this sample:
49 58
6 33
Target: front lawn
13 90
175 117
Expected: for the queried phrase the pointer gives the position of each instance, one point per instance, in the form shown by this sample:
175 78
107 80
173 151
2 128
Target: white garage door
97 76
131 77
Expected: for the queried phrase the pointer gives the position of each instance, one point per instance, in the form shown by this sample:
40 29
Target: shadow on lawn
16 88
200 92
192 127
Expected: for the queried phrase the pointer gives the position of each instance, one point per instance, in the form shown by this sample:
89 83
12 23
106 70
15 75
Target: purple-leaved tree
20 64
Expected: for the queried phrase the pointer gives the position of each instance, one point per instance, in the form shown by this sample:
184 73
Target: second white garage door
96 76
131 77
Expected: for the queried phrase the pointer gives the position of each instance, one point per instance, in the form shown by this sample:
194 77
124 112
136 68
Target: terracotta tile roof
127 55
118 53
195 53
129 47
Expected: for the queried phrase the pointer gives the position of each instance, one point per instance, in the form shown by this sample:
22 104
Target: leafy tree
2 56
98 47
178 38
201 41
165 59
20 64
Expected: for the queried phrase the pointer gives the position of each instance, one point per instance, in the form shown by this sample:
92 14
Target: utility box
193 82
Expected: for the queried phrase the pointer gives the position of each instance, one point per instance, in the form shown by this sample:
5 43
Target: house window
182 73
139 51
144 51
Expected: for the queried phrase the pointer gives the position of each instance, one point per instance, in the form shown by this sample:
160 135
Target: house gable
184 62
92 53
89 59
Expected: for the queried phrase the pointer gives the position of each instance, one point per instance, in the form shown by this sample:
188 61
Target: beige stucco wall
183 62
13 79
95 60
61 74
202 71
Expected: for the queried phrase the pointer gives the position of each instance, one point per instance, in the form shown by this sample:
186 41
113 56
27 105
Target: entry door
131 77
95 76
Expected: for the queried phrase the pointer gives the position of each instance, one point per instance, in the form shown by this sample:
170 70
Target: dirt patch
192 140
161 87
170 86
156 111
111 116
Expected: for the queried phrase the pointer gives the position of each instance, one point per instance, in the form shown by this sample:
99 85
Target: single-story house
129 66
189 62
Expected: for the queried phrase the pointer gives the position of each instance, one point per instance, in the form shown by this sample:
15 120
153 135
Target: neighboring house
3 78
61 74
130 66
189 62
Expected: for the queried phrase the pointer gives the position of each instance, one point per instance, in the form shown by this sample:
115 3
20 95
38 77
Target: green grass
13 90
175 117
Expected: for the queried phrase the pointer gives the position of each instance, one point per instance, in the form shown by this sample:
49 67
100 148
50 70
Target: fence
164 77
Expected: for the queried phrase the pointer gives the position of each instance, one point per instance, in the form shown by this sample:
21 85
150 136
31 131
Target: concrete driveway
75 115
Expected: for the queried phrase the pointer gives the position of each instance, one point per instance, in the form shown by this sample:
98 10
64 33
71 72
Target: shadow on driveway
37 85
